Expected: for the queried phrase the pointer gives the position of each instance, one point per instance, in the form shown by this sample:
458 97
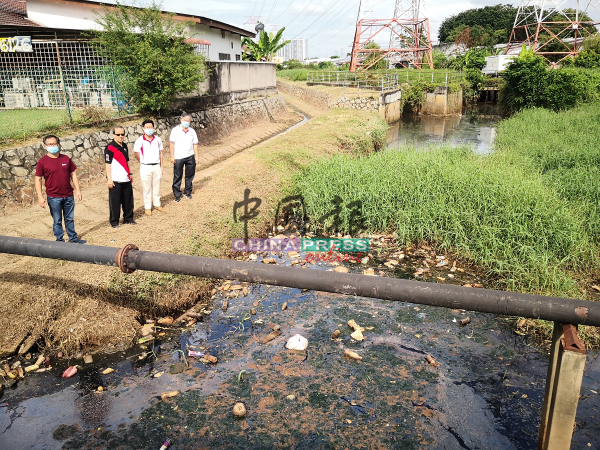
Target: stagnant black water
485 393
475 128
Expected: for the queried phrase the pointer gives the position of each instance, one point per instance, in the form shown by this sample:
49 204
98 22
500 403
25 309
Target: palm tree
265 48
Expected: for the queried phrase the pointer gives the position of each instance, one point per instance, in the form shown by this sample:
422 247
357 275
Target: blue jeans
63 206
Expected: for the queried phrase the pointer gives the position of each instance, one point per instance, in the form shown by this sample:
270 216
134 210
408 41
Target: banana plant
265 48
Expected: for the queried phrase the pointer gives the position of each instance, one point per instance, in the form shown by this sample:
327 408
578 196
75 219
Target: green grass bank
21 123
527 214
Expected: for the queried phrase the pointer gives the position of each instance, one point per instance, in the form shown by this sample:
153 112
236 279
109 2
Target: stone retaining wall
389 104
324 100
389 110
366 103
316 98
17 166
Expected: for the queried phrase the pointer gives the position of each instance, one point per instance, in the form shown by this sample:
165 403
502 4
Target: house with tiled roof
46 60
218 41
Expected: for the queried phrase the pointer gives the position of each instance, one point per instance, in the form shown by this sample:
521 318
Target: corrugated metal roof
14 12
192 17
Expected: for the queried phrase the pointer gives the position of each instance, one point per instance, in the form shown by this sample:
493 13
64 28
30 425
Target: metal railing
383 80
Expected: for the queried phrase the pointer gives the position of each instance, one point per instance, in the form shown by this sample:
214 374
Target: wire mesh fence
57 82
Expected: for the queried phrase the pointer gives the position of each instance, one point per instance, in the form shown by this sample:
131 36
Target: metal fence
52 84
383 80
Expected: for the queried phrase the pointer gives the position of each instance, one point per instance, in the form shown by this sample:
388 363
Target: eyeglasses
121 134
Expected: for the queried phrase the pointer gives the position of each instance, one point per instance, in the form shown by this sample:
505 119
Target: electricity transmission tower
410 38
553 29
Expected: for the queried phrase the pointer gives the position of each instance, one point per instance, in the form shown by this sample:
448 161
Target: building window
223 34
224 57
201 49
238 57
232 45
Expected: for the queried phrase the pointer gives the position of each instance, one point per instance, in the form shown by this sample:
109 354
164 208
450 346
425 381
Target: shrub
568 88
530 84
148 46
292 64
475 78
526 81
588 59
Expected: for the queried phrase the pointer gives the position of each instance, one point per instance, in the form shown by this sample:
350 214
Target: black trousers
120 194
190 171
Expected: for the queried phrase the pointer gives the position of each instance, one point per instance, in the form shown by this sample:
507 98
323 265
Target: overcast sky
327 24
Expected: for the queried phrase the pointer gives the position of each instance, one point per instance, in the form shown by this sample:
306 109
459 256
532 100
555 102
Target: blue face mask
185 124
149 131
53 149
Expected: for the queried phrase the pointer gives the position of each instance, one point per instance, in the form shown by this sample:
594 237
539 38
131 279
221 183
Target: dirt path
75 306
50 298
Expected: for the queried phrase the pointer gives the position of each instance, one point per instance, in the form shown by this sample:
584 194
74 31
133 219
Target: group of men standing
58 172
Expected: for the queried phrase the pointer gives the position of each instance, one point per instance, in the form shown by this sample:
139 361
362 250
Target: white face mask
149 131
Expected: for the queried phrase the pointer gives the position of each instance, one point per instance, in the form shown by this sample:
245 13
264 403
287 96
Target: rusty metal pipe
94 254
484 300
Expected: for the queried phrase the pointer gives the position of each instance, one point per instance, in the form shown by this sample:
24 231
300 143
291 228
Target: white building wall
73 16
76 16
230 44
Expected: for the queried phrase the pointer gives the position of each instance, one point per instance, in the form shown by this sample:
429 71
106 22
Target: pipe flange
121 258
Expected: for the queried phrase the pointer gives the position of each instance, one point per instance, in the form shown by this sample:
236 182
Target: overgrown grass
527 214
563 148
293 74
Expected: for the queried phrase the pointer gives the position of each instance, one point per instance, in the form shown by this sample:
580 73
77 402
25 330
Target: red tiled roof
14 12
196 41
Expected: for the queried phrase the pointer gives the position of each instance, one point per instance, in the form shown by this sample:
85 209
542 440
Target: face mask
54 149
149 131
185 124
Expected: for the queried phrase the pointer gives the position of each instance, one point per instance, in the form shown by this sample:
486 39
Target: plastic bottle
166 445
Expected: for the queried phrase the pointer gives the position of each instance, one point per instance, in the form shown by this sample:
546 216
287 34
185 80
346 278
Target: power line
299 14
254 7
319 19
284 10
326 25
336 34
262 6
271 12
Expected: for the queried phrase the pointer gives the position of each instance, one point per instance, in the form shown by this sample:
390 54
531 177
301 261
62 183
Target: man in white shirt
184 153
148 151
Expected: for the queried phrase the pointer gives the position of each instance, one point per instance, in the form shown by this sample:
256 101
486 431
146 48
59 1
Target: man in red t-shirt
58 172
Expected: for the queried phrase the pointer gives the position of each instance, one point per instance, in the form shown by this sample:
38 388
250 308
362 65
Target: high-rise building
296 49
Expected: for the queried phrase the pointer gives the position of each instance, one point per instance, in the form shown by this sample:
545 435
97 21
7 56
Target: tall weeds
527 214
